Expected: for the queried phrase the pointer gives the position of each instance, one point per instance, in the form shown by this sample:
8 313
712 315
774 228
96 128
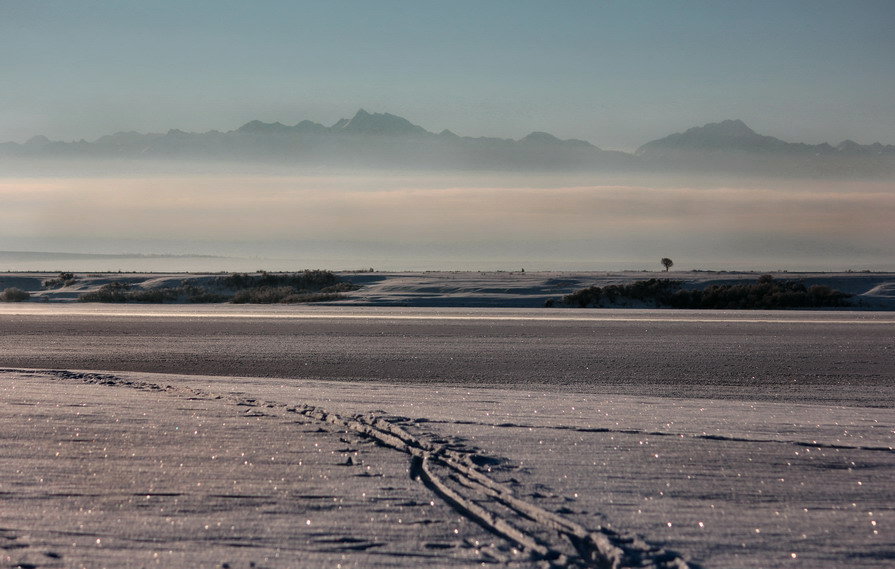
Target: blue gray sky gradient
615 73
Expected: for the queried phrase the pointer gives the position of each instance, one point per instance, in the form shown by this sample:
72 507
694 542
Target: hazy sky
434 222
615 73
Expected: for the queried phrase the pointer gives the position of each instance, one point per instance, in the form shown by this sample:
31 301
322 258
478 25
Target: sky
617 74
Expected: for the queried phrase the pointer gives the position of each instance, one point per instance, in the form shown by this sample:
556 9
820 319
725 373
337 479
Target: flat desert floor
235 436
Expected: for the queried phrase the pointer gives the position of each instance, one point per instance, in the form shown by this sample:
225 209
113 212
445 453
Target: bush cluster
265 288
13 294
199 295
64 279
306 280
121 292
652 290
766 293
282 294
113 292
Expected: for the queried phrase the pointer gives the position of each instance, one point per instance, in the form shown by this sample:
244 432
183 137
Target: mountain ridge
735 134
387 140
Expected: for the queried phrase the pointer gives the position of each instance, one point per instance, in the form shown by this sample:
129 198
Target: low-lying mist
453 222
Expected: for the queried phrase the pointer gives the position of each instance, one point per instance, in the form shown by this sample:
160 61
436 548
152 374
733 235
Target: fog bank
449 222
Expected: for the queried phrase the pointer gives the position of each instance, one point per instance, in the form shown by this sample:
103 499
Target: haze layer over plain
457 221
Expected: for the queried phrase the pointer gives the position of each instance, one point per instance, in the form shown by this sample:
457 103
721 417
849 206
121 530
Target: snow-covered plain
517 289
453 437
138 469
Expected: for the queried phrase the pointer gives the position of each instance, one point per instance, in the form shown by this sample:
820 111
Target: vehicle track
454 476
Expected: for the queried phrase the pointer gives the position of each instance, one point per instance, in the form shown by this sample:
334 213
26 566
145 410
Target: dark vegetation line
13 294
239 288
766 293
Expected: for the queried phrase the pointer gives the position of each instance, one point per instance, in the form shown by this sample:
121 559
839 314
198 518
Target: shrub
198 295
115 291
153 295
283 294
765 293
121 292
64 279
311 280
313 297
262 295
822 295
584 297
344 286
13 294
265 288
652 290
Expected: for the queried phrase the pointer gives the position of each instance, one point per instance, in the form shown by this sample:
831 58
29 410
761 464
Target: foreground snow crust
140 470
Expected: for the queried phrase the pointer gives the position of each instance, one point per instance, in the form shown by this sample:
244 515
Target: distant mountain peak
38 140
547 139
541 137
258 127
310 126
731 134
730 127
851 146
378 123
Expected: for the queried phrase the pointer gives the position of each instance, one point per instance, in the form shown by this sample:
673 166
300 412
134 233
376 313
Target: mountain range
383 140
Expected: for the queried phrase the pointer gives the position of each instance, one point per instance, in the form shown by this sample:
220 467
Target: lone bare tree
667 263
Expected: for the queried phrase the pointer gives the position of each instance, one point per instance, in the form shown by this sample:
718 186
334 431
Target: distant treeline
240 288
766 293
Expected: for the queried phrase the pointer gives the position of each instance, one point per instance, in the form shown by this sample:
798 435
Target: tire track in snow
455 478
704 436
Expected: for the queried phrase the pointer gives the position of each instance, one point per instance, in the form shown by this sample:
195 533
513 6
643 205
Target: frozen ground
188 471
715 466
840 358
